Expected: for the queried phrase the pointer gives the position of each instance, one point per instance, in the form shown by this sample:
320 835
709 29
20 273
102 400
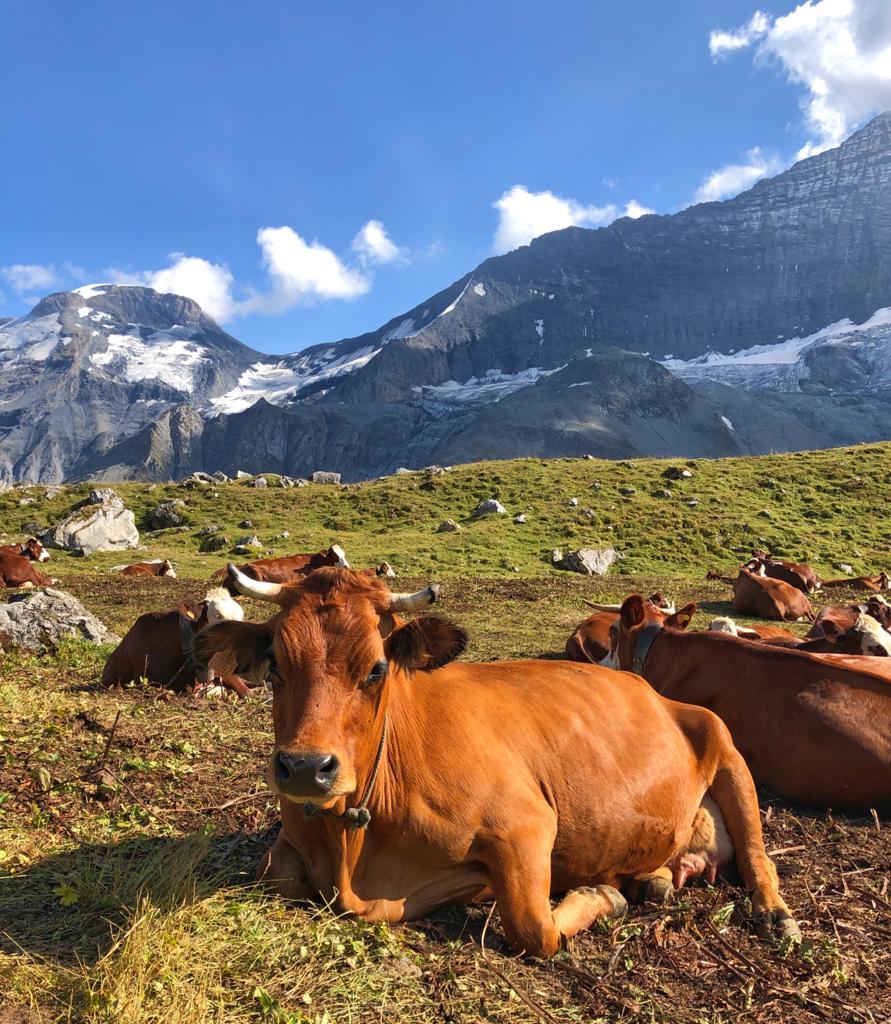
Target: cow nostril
326 769
286 765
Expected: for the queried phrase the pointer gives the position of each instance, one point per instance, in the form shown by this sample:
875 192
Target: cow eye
377 674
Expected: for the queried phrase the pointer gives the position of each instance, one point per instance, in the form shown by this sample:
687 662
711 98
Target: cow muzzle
305 776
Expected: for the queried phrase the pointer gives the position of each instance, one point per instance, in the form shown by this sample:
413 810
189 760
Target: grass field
130 821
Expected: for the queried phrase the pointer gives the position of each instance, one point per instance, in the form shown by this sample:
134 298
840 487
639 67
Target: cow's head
33 549
166 569
884 580
755 566
879 609
335 555
635 614
332 654
866 636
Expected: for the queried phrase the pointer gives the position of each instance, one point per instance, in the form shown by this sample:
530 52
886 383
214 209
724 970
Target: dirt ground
101 792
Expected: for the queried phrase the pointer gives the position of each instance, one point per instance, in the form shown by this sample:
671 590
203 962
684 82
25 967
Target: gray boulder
215 542
249 542
38 620
448 526
489 507
101 496
167 515
241 475
321 477
258 481
220 477
588 561
95 528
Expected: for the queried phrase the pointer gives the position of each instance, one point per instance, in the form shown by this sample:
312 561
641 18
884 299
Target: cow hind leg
653 887
521 882
733 791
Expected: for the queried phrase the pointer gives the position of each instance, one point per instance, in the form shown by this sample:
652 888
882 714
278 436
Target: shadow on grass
68 906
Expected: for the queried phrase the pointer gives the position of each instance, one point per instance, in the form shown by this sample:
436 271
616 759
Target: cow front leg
521 883
282 868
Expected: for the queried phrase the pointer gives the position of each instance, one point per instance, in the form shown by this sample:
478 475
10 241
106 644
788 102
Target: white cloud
26 277
209 284
721 43
634 209
734 178
838 51
302 272
374 245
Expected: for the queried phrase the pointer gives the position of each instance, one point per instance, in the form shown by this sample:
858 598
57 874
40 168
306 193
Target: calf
19 571
402 789
159 568
157 646
31 548
813 728
765 598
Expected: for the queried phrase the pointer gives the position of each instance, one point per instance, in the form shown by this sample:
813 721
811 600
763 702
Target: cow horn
254 588
602 607
414 602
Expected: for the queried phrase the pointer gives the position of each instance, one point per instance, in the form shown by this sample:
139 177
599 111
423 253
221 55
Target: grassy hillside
823 507
131 820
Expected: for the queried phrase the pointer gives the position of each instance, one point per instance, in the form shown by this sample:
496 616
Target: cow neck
643 641
358 817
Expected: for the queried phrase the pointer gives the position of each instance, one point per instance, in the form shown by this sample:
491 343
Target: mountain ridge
676 318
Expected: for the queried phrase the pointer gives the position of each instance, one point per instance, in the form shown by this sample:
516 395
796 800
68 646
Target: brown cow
286 569
594 783
31 548
815 729
802 577
764 598
725 625
157 646
880 581
590 639
19 571
158 568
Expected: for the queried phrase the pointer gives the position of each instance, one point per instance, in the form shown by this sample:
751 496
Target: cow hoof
655 890
777 924
617 902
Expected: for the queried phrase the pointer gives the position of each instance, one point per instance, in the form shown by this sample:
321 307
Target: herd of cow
409 780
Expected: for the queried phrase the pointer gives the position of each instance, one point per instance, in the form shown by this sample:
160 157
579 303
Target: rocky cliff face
761 323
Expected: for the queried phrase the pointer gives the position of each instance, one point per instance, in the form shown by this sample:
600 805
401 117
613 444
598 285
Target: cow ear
632 611
425 644
187 611
681 618
831 630
247 645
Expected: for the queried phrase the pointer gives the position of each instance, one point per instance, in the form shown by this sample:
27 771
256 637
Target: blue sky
237 151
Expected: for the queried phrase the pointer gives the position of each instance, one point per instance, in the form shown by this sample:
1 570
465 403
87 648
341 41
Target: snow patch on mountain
31 340
169 356
492 386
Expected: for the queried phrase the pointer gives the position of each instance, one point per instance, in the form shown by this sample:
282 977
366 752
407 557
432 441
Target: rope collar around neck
359 816
642 644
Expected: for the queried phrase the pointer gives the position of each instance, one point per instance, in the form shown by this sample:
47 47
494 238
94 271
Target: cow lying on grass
505 780
590 639
861 634
814 728
31 548
20 571
158 568
157 647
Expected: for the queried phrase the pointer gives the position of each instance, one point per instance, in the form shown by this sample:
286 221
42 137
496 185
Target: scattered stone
491 506
216 542
402 471
693 502
589 458
101 496
588 561
209 530
167 515
241 475
434 471
448 526
27 501
39 619
258 481
95 528
252 541
246 524
200 478
53 492
520 519
285 534
322 477
589 513
628 491
596 486
286 481
220 477
848 570
677 473
573 502
664 493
